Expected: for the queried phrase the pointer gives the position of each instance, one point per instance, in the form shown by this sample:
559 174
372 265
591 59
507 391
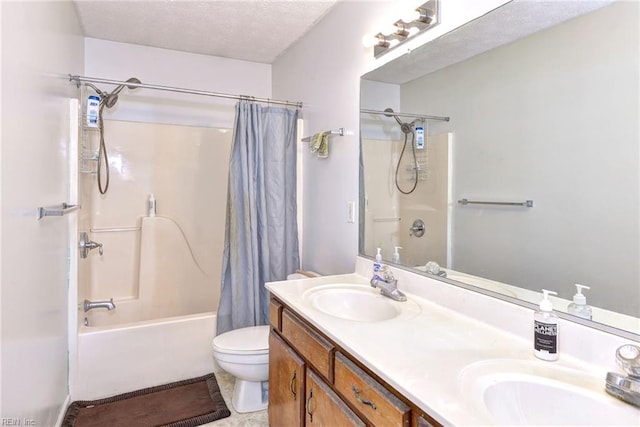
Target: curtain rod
395 113
84 79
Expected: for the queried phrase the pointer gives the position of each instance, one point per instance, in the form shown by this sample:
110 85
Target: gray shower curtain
261 233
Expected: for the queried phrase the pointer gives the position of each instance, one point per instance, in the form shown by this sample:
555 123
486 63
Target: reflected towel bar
329 132
526 203
60 210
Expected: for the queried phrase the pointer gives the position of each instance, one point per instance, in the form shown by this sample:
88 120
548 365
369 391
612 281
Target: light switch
351 212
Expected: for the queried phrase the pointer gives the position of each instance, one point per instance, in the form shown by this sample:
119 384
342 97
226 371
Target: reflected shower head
111 98
406 128
390 114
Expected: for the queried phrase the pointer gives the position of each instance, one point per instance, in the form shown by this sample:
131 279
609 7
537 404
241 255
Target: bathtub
113 359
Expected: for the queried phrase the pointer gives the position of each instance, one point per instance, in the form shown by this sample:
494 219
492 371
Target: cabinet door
286 384
324 408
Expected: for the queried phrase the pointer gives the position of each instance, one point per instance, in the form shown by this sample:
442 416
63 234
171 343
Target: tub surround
423 355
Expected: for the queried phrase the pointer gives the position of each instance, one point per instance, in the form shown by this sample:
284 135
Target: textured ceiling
512 21
251 30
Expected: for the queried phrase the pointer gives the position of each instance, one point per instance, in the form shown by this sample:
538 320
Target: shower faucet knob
86 245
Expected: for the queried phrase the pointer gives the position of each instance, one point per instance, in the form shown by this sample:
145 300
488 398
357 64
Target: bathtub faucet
89 305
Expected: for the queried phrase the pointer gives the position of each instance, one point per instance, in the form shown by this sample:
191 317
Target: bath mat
186 403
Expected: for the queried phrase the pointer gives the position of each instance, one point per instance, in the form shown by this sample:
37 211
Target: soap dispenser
579 305
378 264
396 254
545 329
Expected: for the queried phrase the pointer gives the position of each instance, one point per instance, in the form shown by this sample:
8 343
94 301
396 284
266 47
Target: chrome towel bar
526 203
60 210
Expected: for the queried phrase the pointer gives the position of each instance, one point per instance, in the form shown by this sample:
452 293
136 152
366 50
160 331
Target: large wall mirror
543 126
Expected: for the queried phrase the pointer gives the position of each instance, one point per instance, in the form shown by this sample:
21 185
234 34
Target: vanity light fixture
416 21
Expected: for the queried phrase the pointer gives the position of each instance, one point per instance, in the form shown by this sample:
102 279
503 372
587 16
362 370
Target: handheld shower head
405 127
390 114
111 98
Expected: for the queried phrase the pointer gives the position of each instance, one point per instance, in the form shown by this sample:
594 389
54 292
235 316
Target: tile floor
252 419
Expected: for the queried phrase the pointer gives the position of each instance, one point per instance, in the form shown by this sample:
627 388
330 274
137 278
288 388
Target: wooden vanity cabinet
287 374
336 389
368 396
323 407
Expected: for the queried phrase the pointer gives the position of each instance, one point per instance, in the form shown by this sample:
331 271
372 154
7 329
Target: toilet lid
251 339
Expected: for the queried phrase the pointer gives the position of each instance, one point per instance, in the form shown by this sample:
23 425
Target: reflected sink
357 302
512 392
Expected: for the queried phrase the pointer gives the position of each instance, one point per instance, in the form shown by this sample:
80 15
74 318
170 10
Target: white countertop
423 354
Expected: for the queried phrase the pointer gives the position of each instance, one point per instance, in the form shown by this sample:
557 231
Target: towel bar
526 203
60 210
329 132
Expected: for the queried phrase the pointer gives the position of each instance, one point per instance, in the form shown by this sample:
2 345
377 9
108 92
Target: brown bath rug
186 403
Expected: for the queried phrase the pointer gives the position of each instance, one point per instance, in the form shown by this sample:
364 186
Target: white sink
513 392
357 302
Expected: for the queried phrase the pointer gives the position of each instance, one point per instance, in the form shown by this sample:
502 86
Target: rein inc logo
17 422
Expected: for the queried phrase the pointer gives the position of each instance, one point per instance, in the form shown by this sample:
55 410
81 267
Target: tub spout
89 305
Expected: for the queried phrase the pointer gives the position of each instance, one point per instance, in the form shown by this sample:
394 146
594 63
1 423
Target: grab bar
526 203
60 210
386 219
114 229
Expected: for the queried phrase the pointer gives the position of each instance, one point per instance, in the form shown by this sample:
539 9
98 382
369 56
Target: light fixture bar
424 17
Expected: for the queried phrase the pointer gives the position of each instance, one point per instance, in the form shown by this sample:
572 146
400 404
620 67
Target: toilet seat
253 340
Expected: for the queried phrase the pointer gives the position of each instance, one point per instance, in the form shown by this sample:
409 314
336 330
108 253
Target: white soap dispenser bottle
545 329
579 305
377 265
396 254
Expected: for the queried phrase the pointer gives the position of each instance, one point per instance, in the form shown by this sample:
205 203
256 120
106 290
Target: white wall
120 61
553 118
323 70
41 44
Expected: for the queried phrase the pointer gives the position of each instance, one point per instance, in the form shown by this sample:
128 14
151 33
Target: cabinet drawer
368 396
275 314
323 408
315 349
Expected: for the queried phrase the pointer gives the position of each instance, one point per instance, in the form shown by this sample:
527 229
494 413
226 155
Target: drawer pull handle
292 387
356 393
309 405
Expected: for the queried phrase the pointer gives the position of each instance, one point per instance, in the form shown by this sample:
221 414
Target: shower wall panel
186 168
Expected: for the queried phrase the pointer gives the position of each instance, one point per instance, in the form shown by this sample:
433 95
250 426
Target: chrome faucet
432 267
626 388
387 284
90 305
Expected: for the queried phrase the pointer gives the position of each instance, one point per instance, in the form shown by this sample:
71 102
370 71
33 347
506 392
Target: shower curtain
261 233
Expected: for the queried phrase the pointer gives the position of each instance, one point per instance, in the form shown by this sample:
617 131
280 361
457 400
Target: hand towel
320 144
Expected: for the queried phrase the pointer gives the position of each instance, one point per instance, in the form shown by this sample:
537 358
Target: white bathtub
114 359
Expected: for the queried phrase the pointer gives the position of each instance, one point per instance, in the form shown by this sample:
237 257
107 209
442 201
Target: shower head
111 98
389 112
406 128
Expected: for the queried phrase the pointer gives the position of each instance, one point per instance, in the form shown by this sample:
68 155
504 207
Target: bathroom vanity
342 354
313 381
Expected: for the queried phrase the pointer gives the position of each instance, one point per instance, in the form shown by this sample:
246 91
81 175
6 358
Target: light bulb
387 30
369 40
410 16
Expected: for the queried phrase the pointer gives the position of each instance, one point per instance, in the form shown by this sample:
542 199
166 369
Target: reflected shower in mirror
552 118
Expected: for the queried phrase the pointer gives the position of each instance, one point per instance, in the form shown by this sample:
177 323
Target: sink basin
356 302
512 392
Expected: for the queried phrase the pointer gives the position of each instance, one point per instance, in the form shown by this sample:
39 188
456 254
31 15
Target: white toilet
244 353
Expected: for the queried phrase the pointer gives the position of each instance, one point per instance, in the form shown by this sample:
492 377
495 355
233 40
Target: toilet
244 353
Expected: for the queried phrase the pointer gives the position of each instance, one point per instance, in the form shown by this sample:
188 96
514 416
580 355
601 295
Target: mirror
549 117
